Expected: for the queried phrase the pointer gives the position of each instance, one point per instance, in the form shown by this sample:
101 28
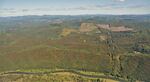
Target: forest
60 48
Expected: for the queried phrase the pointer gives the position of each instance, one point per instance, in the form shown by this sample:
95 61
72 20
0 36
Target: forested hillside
41 44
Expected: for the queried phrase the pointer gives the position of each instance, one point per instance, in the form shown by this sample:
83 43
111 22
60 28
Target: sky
73 7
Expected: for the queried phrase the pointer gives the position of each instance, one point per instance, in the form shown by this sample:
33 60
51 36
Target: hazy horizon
73 7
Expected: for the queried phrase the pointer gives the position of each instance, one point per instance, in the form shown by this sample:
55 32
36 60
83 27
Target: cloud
112 8
121 0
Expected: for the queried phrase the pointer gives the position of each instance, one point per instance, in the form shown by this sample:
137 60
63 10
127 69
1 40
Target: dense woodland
38 42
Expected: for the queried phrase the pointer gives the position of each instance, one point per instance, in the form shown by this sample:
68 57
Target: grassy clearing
53 70
91 73
53 77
